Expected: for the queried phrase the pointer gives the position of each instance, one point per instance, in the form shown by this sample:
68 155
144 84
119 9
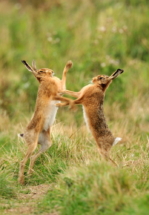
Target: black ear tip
24 62
120 70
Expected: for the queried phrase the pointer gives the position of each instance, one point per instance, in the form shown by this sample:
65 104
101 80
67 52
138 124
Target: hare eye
100 78
41 71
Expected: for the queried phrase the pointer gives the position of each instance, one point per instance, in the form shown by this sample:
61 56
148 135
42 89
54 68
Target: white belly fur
86 118
50 114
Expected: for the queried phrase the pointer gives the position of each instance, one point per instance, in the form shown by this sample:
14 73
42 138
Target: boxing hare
92 97
38 129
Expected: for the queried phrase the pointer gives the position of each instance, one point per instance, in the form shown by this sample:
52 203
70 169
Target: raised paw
69 64
60 104
72 106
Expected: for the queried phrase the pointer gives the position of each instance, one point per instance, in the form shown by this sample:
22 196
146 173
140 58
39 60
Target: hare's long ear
34 65
27 66
30 68
116 73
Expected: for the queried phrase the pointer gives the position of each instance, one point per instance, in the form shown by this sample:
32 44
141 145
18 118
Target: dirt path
27 203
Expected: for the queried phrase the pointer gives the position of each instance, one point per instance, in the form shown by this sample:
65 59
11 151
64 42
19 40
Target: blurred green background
98 36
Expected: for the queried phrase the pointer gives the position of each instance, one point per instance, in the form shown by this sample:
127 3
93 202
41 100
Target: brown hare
38 129
92 97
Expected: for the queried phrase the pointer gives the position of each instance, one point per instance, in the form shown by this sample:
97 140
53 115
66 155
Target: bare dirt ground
27 202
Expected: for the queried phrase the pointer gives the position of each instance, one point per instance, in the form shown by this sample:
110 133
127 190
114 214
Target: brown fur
38 129
91 97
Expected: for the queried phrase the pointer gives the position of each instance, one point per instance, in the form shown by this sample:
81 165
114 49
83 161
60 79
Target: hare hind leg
30 150
106 156
45 144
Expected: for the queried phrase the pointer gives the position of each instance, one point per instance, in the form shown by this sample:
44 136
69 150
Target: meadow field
71 178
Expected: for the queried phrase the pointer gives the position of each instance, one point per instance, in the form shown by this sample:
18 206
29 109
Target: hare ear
116 73
28 66
34 65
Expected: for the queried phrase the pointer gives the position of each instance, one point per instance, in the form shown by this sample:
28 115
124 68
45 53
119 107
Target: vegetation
99 37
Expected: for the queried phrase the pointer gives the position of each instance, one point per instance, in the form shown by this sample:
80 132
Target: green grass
80 182
6 188
95 189
71 178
